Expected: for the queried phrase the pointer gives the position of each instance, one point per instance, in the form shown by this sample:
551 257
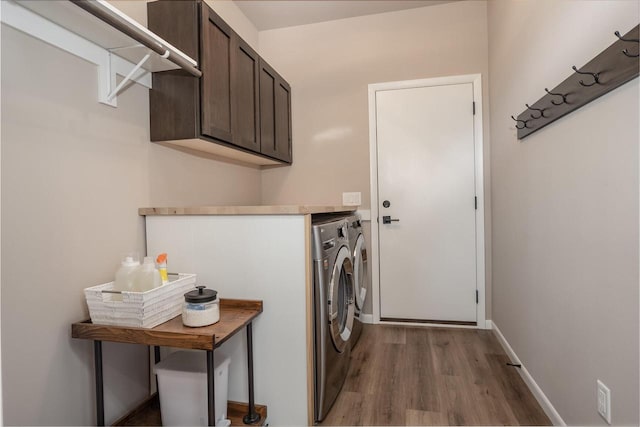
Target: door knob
387 219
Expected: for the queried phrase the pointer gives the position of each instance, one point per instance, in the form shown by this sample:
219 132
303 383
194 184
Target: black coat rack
613 67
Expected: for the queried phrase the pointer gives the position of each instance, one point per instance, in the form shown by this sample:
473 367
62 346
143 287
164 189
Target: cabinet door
245 64
283 121
275 114
215 83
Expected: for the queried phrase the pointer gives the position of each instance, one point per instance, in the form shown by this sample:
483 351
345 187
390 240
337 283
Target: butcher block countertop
246 210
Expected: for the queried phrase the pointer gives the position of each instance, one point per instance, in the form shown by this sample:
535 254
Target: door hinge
477 296
474 107
475 201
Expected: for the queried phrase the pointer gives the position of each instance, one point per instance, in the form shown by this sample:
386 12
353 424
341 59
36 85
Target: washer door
360 271
341 309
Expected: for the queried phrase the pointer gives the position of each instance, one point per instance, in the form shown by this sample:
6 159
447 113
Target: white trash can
182 386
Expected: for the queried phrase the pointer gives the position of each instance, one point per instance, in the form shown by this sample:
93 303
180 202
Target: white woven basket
139 309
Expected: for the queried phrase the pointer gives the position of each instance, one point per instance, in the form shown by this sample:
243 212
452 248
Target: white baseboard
366 318
488 324
537 392
428 325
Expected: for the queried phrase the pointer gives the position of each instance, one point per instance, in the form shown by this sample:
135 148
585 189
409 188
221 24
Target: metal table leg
97 352
252 416
156 353
156 360
210 389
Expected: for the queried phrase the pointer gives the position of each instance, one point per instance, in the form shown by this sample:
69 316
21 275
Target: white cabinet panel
251 257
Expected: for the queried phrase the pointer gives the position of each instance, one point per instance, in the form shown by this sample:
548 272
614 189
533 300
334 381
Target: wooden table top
234 315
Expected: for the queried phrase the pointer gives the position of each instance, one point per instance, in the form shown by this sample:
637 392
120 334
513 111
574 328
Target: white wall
330 65
565 208
74 173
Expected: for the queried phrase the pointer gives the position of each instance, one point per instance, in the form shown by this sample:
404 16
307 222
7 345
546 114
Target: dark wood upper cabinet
246 109
233 105
275 114
217 41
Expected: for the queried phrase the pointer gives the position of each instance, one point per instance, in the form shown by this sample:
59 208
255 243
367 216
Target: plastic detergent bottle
162 267
126 274
147 277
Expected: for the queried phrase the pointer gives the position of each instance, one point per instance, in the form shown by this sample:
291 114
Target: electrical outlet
604 401
352 199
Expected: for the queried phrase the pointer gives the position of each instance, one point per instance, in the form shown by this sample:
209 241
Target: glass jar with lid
201 307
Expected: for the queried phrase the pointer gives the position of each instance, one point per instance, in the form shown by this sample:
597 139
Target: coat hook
536 109
523 121
625 51
564 97
596 77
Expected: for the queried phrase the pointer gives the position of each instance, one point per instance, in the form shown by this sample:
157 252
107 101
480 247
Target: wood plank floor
432 376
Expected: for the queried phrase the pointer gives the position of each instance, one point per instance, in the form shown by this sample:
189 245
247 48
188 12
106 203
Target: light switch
352 199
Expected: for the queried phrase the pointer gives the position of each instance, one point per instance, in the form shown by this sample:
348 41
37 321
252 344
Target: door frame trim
476 81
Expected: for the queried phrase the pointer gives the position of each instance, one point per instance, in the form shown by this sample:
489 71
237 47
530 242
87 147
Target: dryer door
341 291
360 271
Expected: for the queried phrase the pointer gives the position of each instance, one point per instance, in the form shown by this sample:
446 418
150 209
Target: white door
426 173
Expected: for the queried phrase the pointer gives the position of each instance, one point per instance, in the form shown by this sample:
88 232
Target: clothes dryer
358 250
334 309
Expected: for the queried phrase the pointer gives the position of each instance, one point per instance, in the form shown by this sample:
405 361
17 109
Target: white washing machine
334 310
358 250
